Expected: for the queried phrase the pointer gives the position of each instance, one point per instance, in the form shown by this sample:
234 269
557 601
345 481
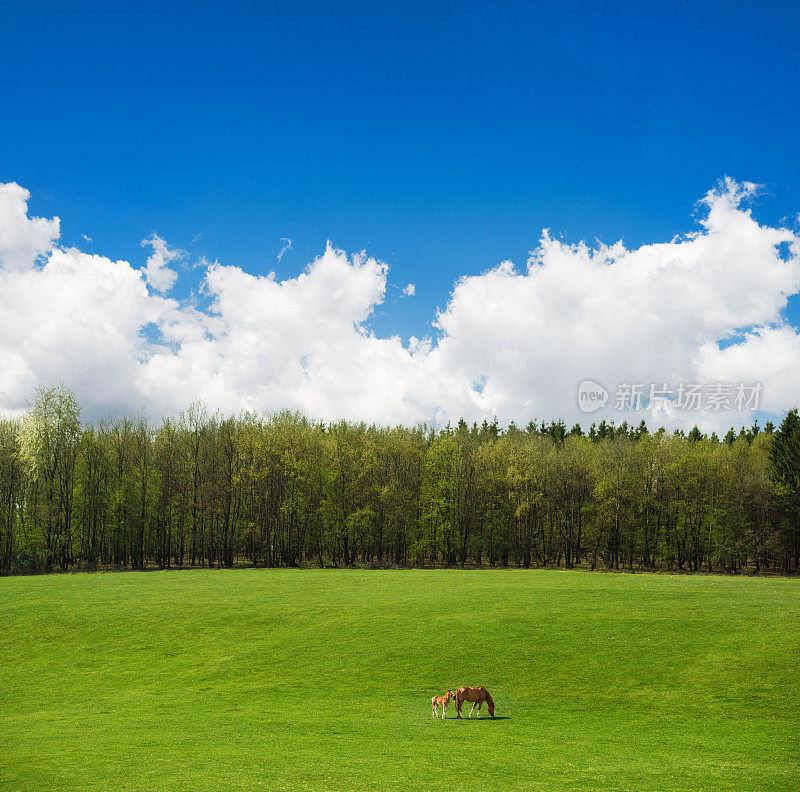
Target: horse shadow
483 719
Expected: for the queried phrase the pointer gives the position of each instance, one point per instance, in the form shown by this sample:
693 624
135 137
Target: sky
314 206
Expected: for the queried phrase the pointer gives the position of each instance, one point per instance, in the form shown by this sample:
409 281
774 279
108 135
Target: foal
441 701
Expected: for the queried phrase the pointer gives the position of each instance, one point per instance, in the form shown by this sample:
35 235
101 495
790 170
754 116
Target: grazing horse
477 695
441 701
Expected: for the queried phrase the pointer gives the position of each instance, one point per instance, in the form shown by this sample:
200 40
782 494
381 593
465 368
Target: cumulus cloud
158 275
656 314
512 342
410 290
76 319
22 239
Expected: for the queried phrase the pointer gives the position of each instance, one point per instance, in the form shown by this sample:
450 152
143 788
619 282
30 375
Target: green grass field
321 680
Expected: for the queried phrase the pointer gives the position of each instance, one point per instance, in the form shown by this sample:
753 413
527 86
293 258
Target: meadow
321 680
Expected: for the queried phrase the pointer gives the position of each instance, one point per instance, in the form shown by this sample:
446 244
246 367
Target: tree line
282 490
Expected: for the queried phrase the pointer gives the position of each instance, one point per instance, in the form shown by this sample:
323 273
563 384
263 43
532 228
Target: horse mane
489 699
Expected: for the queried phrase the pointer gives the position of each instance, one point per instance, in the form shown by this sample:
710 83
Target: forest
209 490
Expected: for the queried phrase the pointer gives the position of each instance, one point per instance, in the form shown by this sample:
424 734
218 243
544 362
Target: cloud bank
512 342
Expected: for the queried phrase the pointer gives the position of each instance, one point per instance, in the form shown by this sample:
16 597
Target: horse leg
479 709
444 710
472 710
458 708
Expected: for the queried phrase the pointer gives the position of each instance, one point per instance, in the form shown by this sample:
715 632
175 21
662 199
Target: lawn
322 679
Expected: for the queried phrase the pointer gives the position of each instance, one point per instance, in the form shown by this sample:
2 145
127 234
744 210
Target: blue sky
441 138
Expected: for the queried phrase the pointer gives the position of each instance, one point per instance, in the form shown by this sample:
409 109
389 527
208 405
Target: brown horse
441 701
477 695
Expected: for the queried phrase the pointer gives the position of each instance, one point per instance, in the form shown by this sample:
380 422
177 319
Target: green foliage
208 490
49 440
11 480
785 469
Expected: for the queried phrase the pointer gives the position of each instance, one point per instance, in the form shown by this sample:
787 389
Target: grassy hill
321 679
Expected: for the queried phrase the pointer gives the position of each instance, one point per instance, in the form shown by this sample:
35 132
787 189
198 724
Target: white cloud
769 355
287 245
75 319
159 276
410 290
650 315
512 343
22 239
204 263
